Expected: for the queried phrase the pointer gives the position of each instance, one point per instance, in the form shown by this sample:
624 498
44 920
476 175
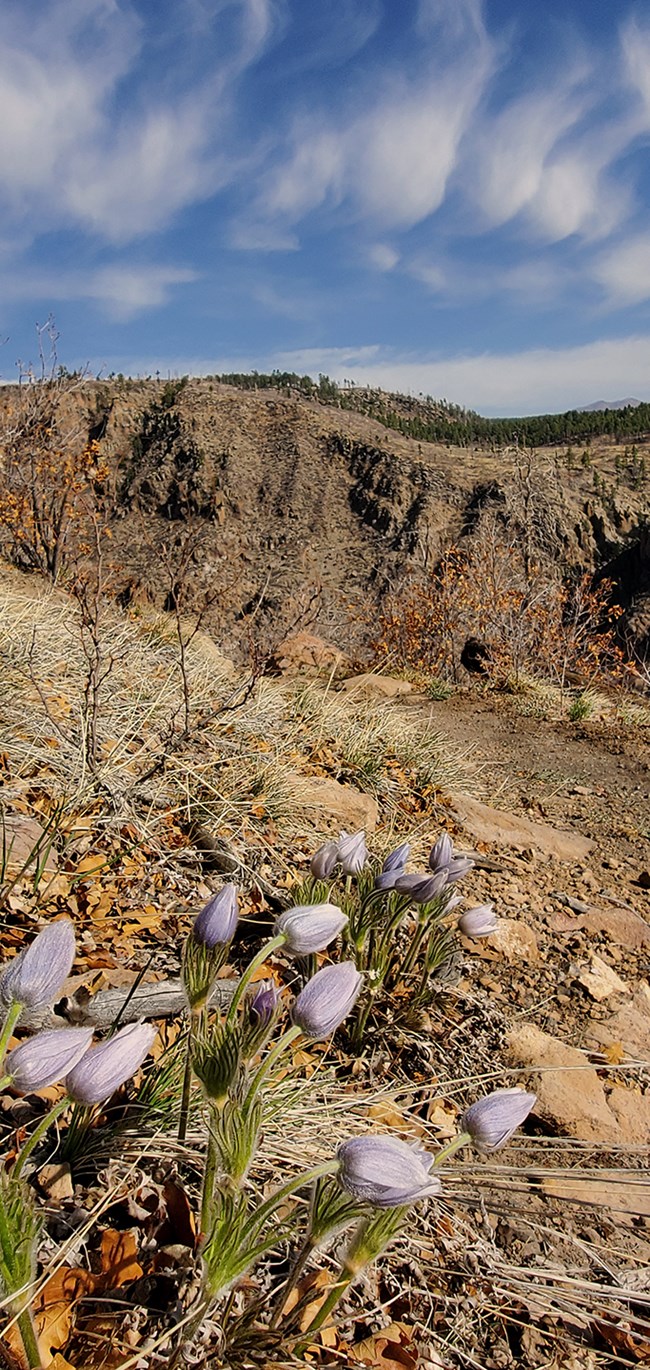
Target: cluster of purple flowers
91 1074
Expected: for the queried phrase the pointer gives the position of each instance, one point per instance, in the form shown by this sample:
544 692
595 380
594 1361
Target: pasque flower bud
324 860
459 868
310 927
352 852
327 999
441 853
478 922
491 1121
215 924
386 1172
36 975
397 859
206 949
46 1058
104 1068
259 1015
421 888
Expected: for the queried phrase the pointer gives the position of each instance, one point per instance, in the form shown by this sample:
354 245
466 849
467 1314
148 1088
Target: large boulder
371 686
497 827
348 808
305 653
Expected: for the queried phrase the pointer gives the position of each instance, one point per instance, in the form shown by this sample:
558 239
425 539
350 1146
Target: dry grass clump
247 747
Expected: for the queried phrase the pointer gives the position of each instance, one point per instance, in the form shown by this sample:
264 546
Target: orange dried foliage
529 621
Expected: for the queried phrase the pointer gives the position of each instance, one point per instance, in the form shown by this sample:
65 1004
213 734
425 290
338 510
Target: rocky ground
540 1257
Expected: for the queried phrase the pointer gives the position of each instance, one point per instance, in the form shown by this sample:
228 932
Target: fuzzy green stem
298 1182
29 1340
39 1132
209 1177
268 1063
4 1081
13 1014
246 978
299 1264
187 1079
463 1139
336 1292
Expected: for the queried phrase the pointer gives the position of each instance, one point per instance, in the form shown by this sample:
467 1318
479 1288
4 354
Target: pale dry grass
239 765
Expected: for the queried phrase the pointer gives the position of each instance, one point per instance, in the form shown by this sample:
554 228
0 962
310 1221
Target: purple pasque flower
46 1058
386 880
324 860
491 1121
478 922
459 868
37 973
421 888
441 853
263 1003
215 924
397 859
352 852
327 999
310 927
386 1172
104 1068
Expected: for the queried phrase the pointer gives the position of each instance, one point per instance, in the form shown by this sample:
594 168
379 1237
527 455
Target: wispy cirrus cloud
88 138
123 290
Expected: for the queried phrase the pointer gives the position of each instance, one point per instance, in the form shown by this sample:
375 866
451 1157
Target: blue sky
446 196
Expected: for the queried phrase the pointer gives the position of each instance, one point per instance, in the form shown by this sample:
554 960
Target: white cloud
122 290
383 256
391 156
624 271
541 380
88 137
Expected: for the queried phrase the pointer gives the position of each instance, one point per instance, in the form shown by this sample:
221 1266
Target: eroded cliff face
292 495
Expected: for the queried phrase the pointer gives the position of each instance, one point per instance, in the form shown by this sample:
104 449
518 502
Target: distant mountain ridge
598 405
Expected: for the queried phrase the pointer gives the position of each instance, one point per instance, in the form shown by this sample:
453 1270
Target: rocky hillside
296 496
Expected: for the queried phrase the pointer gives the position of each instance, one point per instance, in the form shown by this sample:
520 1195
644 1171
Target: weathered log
159 999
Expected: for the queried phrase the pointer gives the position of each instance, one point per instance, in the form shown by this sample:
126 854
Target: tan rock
372 686
496 826
514 940
350 808
569 1093
23 842
630 1026
56 1180
304 653
622 926
628 1196
632 1112
600 981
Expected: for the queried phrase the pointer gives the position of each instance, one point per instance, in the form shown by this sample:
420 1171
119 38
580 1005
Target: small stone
600 981
644 880
514 940
56 1181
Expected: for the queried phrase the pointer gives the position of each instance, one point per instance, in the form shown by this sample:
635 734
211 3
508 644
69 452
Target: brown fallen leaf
55 1307
118 1257
391 1349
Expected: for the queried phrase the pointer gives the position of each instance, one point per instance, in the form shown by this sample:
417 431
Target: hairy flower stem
36 1136
269 1062
299 1264
13 1014
412 953
195 1018
209 1177
29 1340
246 978
336 1292
463 1139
